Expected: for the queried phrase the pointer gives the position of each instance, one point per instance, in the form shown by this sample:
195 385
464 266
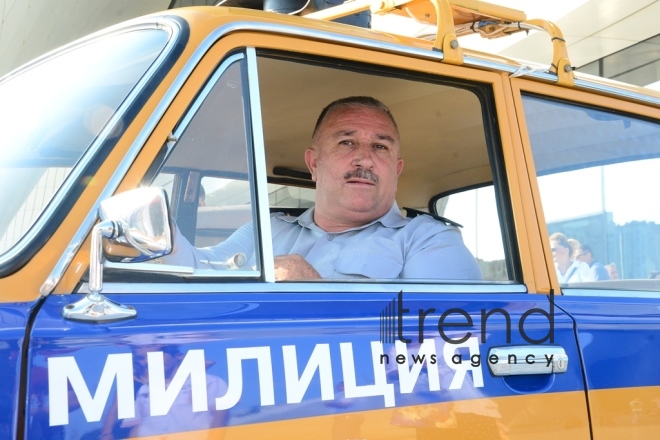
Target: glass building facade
638 64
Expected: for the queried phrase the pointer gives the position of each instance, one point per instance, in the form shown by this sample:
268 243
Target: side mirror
134 227
143 227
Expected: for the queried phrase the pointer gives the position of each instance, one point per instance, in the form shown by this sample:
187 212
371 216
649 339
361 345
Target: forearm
215 257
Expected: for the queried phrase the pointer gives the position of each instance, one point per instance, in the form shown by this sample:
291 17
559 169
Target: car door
596 162
230 352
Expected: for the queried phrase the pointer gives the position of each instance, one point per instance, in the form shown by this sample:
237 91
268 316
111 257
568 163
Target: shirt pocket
381 258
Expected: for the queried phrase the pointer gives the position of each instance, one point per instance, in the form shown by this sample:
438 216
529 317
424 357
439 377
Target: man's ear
311 159
399 166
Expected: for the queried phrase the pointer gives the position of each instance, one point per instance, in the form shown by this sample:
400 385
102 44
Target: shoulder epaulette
412 213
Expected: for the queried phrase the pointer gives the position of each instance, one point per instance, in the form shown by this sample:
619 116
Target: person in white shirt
568 270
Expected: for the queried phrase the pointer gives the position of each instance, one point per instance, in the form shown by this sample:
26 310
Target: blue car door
227 352
597 162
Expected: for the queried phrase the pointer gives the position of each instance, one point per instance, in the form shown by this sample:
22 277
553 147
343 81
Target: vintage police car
107 138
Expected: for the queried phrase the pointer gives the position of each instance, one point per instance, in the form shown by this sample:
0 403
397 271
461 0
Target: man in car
355 229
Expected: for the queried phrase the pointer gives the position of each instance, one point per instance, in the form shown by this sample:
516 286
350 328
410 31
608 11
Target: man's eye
381 147
346 143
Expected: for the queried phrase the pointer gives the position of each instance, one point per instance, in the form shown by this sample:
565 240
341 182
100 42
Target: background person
596 270
568 270
202 196
355 229
612 271
574 245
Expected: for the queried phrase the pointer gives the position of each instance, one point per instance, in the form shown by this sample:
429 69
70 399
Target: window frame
504 225
626 104
164 272
495 119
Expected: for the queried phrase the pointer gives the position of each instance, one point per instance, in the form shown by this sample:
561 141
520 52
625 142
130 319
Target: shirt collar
391 219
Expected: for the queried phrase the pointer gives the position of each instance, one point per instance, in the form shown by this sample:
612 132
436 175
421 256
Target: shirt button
330 237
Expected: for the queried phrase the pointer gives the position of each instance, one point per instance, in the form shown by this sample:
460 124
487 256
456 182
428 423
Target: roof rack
455 18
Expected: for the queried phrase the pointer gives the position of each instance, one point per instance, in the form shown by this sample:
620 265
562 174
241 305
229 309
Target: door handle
527 359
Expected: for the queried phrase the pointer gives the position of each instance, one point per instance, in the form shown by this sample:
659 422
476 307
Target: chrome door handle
527 359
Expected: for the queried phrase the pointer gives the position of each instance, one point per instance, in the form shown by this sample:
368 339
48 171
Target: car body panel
600 396
350 331
617 329
13 320
620 349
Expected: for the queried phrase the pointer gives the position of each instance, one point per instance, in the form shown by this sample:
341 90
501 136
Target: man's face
614 274
560 254
584 257
355 163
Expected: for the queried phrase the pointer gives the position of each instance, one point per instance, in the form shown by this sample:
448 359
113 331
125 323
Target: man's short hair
587 249
354 102
561 239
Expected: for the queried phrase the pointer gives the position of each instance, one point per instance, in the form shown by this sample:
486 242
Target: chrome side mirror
134 227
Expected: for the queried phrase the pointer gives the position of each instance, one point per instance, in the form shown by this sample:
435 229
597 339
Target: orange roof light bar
458 17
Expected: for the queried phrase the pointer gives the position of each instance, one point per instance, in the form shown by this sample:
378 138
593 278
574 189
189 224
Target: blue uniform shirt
387 248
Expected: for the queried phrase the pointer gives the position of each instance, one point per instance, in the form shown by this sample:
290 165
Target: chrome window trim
182 271
580 84
609 293
181 128
259 167
72 179
323 286
200 99
325 36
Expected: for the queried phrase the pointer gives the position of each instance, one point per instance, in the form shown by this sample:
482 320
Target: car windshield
52 112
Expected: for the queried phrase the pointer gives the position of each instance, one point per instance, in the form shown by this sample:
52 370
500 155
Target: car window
290 197
224 206
475 210
165 181
53 111
207 175
448 142
598 178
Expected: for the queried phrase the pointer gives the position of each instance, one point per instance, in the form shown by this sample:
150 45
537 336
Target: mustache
362 173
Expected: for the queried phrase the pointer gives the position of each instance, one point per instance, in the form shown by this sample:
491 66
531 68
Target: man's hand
294 267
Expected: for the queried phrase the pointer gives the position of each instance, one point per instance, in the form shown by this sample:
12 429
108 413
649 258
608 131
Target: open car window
482 232
448 142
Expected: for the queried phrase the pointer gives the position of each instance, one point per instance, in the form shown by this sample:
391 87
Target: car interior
447 146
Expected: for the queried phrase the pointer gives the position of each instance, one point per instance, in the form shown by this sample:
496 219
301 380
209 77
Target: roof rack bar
446 40
561 65
498 17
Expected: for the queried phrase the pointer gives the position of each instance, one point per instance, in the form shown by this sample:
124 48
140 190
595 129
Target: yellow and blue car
202 115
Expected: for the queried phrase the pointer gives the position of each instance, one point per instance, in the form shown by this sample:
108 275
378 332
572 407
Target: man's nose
362 156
